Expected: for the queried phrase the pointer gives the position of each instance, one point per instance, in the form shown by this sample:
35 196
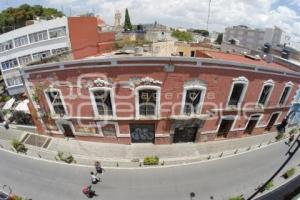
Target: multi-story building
78 35
254 39
160 99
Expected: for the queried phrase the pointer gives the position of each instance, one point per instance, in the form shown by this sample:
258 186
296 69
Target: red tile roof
245 60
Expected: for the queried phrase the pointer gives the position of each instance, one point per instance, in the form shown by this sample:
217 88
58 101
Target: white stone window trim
287 85
276 122
104 123
269 82
59 124
137 107
50 104
240 80
258 121
201 101
94 104
233 117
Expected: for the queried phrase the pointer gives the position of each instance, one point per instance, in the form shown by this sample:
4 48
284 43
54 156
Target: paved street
221 178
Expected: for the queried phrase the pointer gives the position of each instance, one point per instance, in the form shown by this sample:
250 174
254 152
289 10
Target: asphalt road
41 180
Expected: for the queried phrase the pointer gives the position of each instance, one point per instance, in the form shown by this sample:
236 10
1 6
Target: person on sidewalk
291 139
5 124
98 167
94 178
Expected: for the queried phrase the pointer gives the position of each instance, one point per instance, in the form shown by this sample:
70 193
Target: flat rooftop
245 60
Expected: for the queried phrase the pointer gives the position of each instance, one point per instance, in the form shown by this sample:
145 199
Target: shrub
66 157
293 131
18 146
289 173
268 186
237 198
279 136
151 160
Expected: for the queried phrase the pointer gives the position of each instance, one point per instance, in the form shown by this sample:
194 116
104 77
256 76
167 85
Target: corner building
160 100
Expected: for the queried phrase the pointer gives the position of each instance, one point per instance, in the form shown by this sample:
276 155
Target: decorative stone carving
101 83
241 79
146 81
194 82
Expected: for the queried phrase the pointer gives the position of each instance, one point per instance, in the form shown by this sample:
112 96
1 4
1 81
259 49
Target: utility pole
208 15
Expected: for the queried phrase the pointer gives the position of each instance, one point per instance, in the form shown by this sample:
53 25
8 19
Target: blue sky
187 13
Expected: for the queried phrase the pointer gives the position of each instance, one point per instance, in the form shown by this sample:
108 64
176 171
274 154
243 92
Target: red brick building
160 100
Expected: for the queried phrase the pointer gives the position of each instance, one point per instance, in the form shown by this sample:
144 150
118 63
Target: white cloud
192 13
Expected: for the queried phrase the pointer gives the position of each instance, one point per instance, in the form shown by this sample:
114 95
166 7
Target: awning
22 106
8 104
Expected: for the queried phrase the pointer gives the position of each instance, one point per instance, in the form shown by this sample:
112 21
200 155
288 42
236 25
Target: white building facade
255 38
30 43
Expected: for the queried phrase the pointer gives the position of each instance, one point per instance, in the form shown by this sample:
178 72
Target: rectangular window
225 127
180 53
8 45
2 47
147 102
21 41
40 55
9 64
236 94
56 102
59 50
192 53
284 95
192 100
57 32
25 60
103 102
265 94
39 36
14 81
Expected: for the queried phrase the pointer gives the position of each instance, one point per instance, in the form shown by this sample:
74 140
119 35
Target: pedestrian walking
98 167
94 178
5 124
291 139
88 191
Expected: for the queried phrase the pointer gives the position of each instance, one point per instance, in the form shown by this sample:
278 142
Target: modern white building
81 36
30 43
255 38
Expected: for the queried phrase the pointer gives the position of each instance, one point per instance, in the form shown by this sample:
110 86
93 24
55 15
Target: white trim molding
258 120
269 82
287 85
240 80
112 100
230 117
146 81
202 88
104 123
50 89
157 106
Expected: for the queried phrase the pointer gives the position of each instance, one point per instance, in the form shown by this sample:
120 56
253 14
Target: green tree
182 36
127 23
219 38
12 18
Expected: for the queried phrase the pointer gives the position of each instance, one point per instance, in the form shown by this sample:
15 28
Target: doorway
253 120
272 121
186 134
66 128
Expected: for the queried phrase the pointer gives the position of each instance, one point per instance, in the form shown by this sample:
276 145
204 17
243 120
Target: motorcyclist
88 191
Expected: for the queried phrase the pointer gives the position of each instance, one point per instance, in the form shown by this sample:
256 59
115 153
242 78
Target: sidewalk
113 155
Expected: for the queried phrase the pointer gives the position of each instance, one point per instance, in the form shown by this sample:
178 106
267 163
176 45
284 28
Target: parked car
4 196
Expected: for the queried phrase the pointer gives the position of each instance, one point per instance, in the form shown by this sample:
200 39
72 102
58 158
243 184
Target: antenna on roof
209 3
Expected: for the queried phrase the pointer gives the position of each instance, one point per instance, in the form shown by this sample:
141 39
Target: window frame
287 85
157 105
101 124
94 103
266 83
201 101
240 80
50 105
